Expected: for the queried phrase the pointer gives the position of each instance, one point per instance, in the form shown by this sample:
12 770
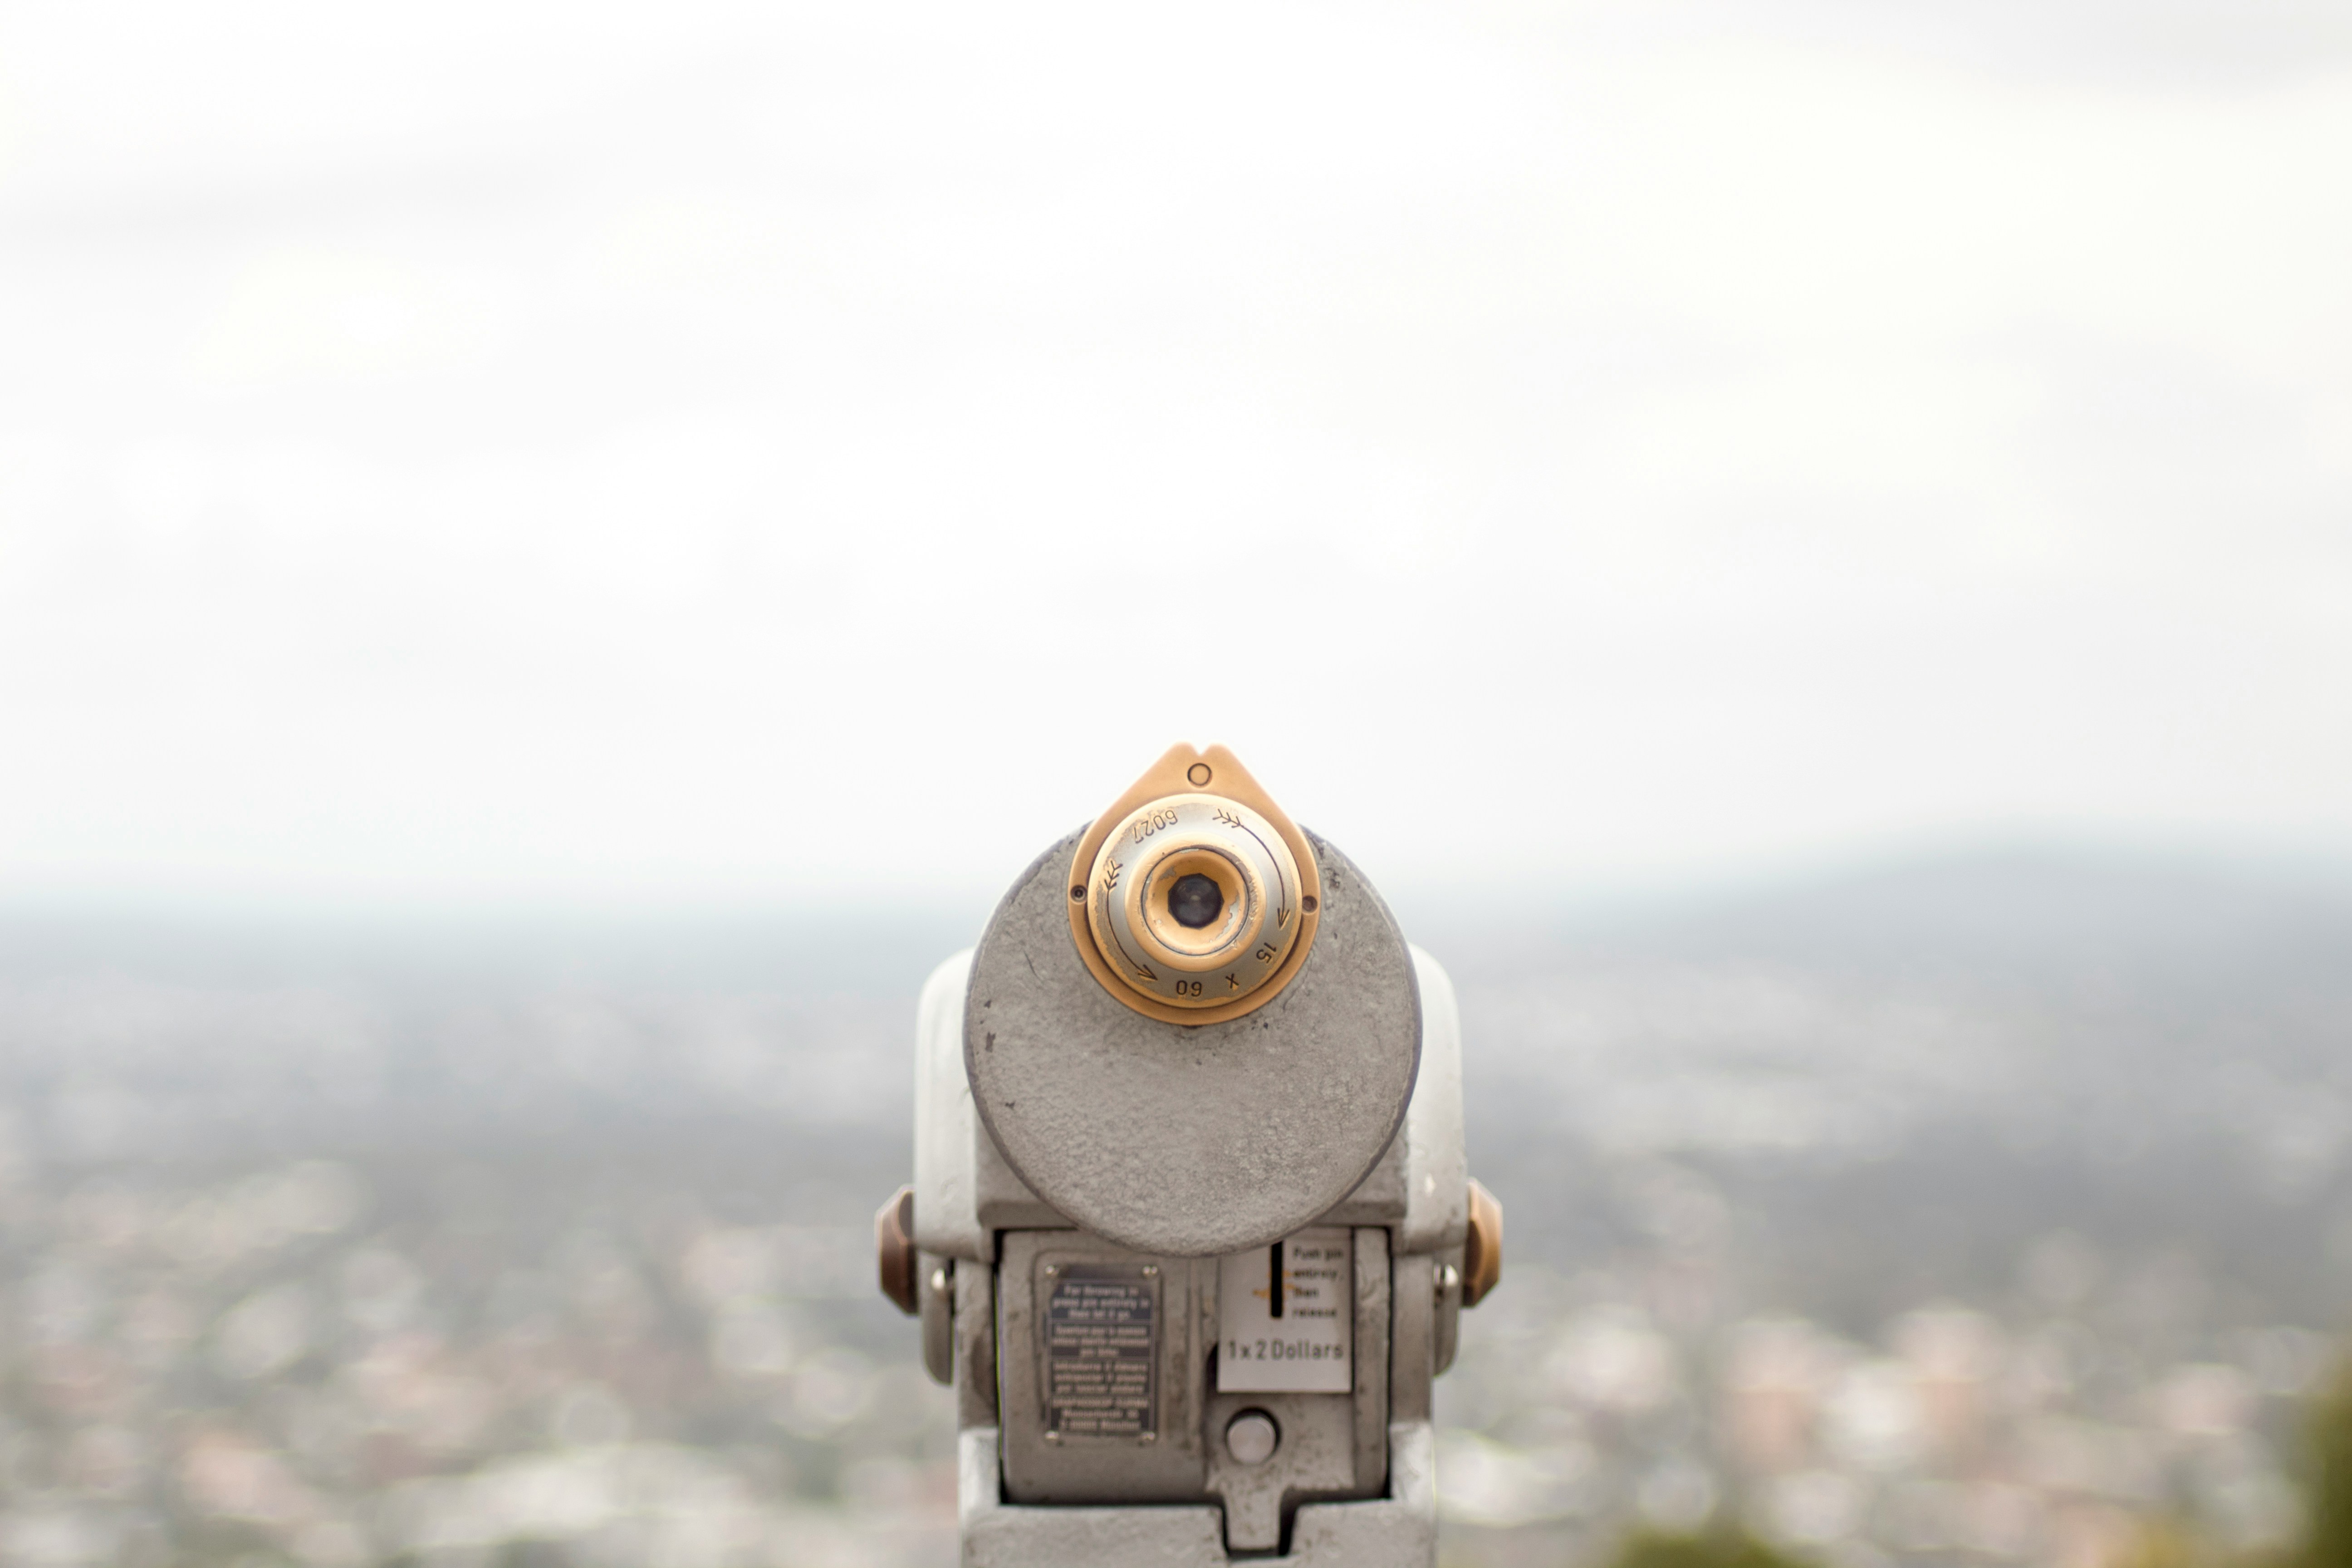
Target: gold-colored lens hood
1194 813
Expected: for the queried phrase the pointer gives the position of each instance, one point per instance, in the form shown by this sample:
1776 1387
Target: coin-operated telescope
1191 1228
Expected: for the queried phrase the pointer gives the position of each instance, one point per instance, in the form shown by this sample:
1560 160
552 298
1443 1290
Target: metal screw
1148 1438
1150 1269
1052 1435
1052 1269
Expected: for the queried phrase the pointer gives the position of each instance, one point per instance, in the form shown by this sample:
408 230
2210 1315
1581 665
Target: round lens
1195 901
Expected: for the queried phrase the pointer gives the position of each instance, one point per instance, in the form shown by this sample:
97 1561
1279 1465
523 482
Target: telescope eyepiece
1194 899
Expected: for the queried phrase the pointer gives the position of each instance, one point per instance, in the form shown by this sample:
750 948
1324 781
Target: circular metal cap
1252 1436
1186 1134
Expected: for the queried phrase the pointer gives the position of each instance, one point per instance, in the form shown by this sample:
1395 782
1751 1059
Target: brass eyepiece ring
1194 905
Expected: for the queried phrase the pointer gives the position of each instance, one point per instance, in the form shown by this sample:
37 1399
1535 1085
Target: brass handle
893 1248
1482 1255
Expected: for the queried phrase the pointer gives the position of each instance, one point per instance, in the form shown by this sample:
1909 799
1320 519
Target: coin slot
1285 1315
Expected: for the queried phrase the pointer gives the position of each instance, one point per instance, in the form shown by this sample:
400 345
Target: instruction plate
1101 1333
1286 1316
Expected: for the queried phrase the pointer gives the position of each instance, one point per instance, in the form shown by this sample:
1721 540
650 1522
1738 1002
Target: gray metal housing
1190 1141
1355 1477
965 1192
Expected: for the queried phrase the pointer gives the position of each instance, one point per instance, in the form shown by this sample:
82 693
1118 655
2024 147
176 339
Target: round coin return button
1252 1436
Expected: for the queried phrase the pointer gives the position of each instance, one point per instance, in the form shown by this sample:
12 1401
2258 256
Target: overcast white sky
484 449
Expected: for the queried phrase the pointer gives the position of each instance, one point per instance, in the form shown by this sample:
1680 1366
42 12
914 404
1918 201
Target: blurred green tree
1713 1549
2326 1474
2328 1478
2168 1543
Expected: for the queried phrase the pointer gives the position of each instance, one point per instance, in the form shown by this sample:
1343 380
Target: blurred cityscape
1976 1211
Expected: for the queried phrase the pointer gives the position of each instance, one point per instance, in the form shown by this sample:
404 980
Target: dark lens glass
1195 901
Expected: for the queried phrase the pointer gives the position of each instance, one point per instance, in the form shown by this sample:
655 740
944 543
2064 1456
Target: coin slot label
1287 1317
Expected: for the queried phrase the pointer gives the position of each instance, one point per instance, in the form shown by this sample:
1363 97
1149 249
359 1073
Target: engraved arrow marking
1140 968
1282 883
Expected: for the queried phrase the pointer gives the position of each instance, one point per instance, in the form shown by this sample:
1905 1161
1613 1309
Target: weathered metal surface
975 1346
1157 1458
1399 1531
1043 1102
964 1192
935 1291
1435 1170
1333 1445
1190 1141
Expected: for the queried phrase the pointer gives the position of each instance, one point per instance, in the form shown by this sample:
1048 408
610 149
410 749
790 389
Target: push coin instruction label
1286 1316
